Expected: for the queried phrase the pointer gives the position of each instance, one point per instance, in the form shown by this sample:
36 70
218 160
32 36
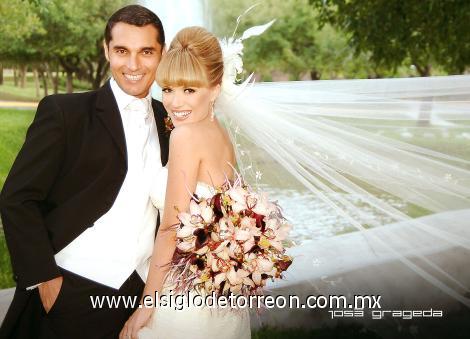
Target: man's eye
121 51
189 90
148 52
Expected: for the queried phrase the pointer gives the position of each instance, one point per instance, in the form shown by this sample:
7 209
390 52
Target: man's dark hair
138 16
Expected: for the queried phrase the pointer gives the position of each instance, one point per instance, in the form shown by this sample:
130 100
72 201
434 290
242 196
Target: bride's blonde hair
194 59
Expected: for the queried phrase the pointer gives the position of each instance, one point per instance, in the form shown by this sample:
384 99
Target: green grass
339 332
13 126
10 92
6 274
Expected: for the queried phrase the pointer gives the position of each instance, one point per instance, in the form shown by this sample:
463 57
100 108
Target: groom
75 207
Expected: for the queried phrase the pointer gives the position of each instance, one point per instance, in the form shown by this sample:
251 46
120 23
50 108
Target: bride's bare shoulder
181 137
188 136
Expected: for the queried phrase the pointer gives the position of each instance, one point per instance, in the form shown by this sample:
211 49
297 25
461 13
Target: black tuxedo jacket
66 176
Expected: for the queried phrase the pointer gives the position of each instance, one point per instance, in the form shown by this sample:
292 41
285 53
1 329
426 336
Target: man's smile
133 77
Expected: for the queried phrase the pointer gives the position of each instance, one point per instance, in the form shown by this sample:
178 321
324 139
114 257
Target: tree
296 44
75 35
19 23
394 31
53 34
289 45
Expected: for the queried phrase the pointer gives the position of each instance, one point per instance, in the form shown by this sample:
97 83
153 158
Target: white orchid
242 234
264 265
261 266
247 223
227 229
283 231
238 196
248 245
189 224
223 251
185 219
263 205
202 210
207 213
234 250
234 279
185 246
247 233
203 250
219 278
276 231
194 208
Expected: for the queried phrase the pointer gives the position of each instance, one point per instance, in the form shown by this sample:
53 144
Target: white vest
122 240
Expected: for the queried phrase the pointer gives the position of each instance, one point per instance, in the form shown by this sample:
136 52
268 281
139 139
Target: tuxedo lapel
163 135
109 114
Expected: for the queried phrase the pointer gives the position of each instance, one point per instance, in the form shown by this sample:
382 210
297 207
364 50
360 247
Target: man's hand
48 292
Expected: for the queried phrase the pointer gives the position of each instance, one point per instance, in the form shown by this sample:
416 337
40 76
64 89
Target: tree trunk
69 82
56 81
55 84
423 71
15 77
22 76
375 75
44 81
1 73
315 75
70 67
36 82
101 71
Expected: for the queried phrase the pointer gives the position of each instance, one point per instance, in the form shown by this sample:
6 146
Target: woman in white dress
190 76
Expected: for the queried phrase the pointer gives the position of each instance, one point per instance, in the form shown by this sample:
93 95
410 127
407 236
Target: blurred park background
51 46
55 46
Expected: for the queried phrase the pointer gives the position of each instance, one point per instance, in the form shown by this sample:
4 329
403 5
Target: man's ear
164 50
106 51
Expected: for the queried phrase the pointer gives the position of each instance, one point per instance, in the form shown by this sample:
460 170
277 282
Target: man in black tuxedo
76 210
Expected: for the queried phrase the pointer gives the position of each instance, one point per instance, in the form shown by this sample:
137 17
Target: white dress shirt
121 241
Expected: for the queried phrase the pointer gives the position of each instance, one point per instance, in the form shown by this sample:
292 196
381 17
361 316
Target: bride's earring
212 110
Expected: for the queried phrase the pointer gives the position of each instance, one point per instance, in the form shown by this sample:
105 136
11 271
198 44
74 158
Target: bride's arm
183 165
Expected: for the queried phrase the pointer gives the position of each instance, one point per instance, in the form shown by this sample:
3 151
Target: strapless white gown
194 322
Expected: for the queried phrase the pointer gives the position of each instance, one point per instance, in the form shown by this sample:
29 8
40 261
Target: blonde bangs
180 68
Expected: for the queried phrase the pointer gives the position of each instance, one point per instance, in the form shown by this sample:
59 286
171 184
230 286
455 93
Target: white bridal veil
373 155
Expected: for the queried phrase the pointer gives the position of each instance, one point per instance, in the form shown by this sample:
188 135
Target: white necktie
139 110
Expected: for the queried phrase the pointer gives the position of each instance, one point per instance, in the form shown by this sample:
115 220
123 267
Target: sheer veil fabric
373 154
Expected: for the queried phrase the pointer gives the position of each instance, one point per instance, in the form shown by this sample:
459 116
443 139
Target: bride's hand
137 320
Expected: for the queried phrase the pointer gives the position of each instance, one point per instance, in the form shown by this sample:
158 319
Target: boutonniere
168 124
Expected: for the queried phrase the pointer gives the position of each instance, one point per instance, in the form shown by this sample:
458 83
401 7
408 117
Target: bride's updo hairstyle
194 59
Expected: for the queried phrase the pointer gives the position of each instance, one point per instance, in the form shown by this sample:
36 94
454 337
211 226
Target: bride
317 136
201 152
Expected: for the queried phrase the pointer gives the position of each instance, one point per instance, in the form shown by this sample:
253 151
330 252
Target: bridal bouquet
231 242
